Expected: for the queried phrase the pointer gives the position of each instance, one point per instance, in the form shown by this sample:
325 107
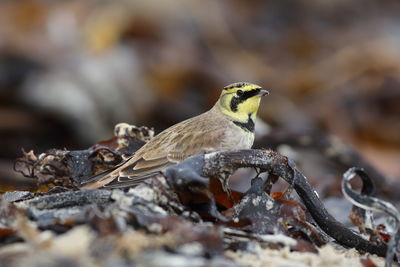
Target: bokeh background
71 70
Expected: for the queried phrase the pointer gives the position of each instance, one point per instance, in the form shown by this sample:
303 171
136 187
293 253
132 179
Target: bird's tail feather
91 182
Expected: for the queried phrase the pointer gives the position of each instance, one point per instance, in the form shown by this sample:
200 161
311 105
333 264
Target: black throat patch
247 126
236 100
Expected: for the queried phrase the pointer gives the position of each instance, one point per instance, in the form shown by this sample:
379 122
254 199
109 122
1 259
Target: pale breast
236 138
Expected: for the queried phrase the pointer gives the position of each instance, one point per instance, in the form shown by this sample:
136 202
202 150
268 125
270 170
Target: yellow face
241 100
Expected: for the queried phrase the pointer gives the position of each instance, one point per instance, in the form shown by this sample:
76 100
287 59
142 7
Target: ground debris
69 168
327 256
182 216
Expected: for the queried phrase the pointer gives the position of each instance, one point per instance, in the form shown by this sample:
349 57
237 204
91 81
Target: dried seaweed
182 203
69 168
331 148
366 201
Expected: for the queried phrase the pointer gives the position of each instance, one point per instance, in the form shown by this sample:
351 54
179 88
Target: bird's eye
239 92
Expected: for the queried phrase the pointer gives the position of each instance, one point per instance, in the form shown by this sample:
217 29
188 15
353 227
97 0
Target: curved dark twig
333 149
366 201
274 163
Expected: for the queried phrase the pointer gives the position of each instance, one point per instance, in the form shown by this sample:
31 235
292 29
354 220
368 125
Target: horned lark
228 125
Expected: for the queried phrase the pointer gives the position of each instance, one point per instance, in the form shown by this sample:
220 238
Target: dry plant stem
333 149
367 201
274 163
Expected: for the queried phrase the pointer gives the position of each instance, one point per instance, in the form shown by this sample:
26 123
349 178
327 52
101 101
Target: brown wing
136 169
173 145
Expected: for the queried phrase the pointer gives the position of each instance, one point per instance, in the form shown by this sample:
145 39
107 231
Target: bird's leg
258 172
268 182
271 180
224 179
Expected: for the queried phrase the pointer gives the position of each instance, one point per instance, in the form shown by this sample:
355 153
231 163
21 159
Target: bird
228 125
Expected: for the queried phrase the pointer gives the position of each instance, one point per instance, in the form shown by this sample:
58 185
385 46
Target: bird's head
241 100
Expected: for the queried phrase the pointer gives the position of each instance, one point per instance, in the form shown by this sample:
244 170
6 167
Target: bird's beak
263 92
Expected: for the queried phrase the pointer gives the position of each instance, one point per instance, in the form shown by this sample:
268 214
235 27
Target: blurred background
71 70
